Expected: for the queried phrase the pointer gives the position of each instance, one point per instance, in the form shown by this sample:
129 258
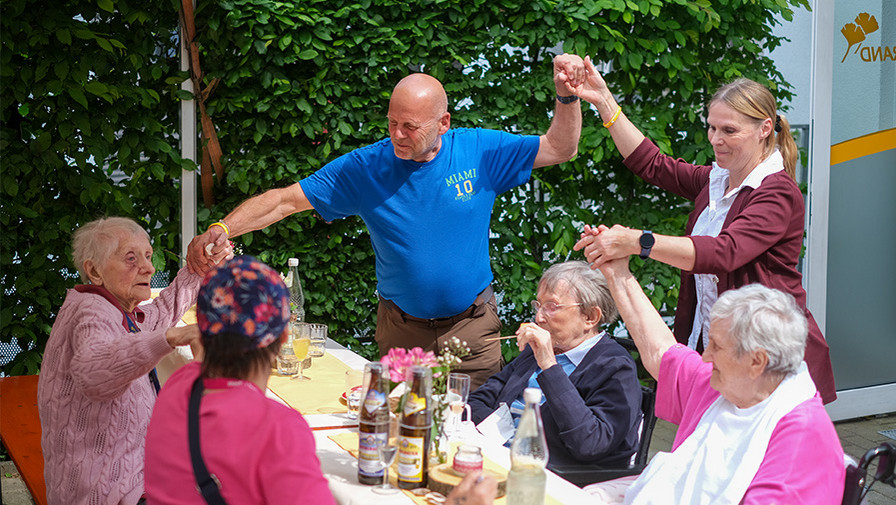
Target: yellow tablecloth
321 394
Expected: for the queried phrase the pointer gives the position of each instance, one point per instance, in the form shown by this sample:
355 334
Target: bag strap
207 484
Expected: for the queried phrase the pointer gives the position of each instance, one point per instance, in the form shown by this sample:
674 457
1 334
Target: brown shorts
395 328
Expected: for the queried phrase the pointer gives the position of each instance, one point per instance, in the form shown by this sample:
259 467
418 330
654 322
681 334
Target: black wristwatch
567 99
647 240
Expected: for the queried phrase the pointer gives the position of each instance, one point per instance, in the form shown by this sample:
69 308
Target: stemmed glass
458 392
387 449
300 344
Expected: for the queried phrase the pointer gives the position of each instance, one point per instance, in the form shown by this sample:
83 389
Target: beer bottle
415 430
373 423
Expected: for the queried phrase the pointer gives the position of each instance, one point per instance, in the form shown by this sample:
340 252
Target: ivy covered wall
90 106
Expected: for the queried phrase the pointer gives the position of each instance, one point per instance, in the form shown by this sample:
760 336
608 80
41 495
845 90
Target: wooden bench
20 431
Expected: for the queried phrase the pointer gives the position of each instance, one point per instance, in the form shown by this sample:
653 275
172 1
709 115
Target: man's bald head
423 91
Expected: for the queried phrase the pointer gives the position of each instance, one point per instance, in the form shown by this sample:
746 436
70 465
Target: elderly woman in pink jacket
97 383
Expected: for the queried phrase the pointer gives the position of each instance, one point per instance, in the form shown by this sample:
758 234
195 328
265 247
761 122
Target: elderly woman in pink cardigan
97 383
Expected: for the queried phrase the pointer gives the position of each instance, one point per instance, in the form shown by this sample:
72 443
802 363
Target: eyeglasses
551 308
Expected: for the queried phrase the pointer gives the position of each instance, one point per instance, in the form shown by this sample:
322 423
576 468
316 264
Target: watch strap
567 99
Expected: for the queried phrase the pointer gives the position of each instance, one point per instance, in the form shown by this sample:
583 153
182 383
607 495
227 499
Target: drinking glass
318 334
387 449
353 382
286 358
456 397
300 345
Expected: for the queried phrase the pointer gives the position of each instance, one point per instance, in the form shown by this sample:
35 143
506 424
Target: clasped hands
601 244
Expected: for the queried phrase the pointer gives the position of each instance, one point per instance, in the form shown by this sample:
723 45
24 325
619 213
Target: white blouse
709 224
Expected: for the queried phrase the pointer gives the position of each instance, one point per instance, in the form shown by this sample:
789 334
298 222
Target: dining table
336 436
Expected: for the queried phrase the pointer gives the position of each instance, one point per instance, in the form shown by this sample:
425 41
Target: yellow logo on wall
865 24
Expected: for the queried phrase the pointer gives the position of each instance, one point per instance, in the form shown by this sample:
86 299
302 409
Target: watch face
647 240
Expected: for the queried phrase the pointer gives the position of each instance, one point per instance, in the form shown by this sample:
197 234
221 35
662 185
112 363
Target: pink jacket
760 242
94 395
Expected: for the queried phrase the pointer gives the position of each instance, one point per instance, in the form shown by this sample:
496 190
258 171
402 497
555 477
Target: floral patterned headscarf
246 297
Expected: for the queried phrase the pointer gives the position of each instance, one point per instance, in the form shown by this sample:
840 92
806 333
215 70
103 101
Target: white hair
587 286
764 318
96 240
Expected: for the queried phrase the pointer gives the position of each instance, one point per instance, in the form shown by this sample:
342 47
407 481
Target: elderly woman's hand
475 489
539 339
182 335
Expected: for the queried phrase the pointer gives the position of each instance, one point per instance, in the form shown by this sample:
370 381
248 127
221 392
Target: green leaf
308 54
78 96
104 43
64 36
106 5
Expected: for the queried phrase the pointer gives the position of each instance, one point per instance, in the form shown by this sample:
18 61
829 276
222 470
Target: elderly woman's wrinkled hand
475 489
182 335
539 339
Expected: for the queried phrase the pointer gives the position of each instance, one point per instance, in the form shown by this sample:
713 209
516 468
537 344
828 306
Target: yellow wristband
615 117
222 225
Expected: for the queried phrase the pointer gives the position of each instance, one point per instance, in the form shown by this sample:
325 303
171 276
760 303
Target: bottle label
410 458
375 399
414 404
369 464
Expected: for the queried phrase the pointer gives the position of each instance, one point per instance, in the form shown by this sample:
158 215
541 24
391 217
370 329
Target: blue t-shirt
428 222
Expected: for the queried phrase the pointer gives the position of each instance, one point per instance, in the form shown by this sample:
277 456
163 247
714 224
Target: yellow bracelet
615 117
222 225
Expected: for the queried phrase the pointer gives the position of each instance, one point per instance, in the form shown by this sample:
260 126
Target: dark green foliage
303 82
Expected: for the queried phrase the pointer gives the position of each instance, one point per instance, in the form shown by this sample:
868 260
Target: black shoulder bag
207 484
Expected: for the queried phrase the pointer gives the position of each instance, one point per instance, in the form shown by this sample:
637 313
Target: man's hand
207 250
475 489
539 339
569 74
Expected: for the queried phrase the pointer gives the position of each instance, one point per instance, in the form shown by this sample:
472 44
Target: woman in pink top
97 381
752 428
258 450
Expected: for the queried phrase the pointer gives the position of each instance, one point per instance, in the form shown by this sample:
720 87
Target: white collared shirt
709 224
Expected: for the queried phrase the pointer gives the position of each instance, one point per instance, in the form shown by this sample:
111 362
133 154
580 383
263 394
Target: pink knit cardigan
94 394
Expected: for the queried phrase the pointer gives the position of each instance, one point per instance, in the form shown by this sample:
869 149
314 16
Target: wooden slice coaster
442 479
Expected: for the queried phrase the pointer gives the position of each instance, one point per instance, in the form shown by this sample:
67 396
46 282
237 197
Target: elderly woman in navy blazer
592 397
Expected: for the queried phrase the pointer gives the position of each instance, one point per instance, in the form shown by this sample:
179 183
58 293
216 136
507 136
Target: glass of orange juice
300 344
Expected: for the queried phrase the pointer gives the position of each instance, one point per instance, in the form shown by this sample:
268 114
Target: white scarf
717 462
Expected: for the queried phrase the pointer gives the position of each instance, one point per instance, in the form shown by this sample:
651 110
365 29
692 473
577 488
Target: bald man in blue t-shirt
426 195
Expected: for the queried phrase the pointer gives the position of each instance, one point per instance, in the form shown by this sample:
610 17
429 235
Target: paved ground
857 436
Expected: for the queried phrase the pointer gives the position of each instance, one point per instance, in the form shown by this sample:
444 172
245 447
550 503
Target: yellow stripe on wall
863 146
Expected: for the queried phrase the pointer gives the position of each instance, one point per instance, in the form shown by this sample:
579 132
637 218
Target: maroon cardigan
760 242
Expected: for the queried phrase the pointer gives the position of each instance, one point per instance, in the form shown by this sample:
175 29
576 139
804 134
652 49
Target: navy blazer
591 416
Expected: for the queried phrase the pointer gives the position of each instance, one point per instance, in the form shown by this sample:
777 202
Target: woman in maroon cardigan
748 217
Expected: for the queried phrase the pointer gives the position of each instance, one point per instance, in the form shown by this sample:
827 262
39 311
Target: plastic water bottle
528 455
296 295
